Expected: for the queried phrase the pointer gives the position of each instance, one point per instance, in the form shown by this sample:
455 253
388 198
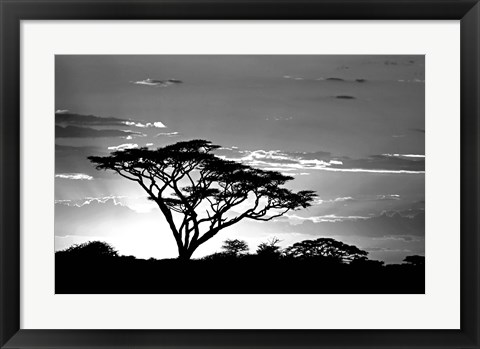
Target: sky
349 127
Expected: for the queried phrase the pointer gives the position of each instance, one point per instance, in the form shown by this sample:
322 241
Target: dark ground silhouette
97 268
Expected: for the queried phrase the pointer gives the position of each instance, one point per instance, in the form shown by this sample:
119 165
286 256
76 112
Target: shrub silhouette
269 249
415 260
218 256
234 247
364 262
325 248
89 250
188 180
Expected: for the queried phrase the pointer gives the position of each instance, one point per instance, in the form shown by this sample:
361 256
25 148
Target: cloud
65 118
139 204
345 97
156 124
296 174
96 217
362 198
89 200
361 170
412 80
403 238
75 176
323 79
167 134
61 111
399 62
319 201
385 164
123 146
87 132
157 83
388 197
279 118
386 249
320 155
405 155
331 218
277 160
394 224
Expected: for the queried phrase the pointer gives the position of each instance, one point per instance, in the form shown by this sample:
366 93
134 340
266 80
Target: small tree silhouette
269 249
326 248
90 249
415 260
235 247
199 193
364 262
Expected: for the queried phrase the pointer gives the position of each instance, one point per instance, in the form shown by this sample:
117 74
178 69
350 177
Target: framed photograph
239 174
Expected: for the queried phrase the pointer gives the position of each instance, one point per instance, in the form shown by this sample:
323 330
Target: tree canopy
90 249
325 248
200 193
415 260
269 249
235 247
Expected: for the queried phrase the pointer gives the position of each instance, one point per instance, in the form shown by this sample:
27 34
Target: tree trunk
184 254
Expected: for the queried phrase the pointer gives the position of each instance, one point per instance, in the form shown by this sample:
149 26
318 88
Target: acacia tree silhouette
188 179
235 247
326 248
270 248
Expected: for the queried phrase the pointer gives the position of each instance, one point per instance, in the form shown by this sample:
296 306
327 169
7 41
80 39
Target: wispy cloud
403 238
294 219
156 124
320 201
157 82
139 204
74 176
345 97
279 118
362 170
89 200
322 79
123 146
167 134
395 224
412 80
65 118
87 132
405 155
277 160
361 198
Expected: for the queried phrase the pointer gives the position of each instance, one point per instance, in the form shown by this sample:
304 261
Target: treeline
323 265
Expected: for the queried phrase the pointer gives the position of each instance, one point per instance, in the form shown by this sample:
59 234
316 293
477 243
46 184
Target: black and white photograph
239 174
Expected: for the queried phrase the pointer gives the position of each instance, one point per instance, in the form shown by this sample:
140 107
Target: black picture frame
13 11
